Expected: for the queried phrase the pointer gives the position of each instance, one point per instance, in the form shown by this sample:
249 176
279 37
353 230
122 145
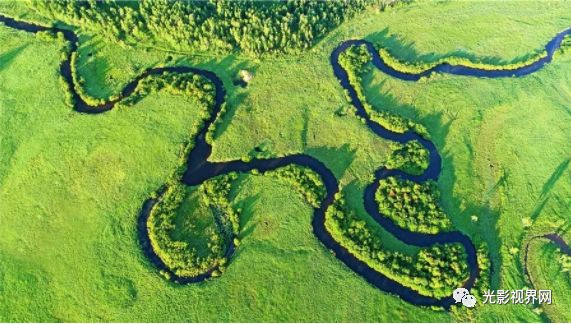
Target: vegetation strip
416 68
199 169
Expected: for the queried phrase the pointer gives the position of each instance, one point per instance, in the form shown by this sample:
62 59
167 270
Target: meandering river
199 168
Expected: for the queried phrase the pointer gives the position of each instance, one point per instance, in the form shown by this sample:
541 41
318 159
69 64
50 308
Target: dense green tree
305 181
411 157
411 205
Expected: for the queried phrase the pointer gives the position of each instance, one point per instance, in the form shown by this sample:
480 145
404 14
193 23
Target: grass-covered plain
71 193
71 185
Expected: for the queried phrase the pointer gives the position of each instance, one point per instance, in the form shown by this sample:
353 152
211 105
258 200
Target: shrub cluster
410 157
412 205
564 261
565 46
214 193
210 134
254 27
434 271
355 61
68 95
304 180
188 84
46 36
395 123
483 281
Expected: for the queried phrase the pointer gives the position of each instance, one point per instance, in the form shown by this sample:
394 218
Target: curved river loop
199 169
553 238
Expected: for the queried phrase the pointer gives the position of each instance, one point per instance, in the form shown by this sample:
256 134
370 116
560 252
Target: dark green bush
214 193
411 157
305 181
411 205
179 256
419 67
188 84
68 95
483 281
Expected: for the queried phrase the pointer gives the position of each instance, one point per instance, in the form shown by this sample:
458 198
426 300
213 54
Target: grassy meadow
71 185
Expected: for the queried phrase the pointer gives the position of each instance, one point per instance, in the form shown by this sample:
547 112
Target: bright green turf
71 185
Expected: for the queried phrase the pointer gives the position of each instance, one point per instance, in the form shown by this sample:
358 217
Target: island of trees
412 205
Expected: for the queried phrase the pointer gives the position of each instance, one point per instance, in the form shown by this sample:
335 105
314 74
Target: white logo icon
469 301
463 295
459 293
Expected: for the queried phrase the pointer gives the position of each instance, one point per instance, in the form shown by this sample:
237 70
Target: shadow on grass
94 66
406 51
227 68
7 57
305 129
547 187
554 178
247 212
337 159
224 120
246 206
97 68
382 100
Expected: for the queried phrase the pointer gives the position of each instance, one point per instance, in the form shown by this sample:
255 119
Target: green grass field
71 185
